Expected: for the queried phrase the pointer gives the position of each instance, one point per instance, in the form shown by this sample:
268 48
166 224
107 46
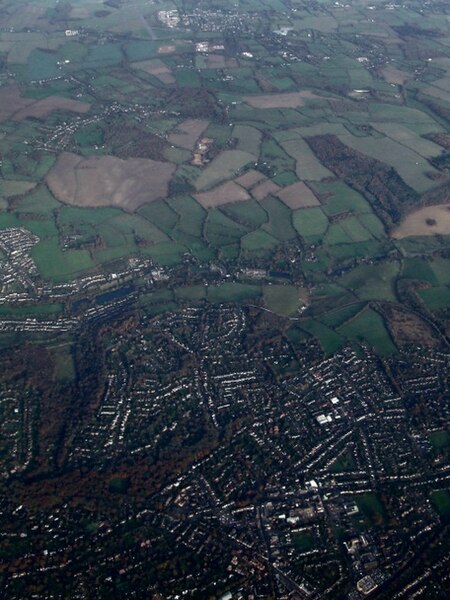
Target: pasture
281 299
225 166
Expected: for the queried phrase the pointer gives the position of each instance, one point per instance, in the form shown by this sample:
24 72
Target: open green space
233 292
282 299
440 439
58 265
368 327
372 282
371 507
311 224
441 502
303 541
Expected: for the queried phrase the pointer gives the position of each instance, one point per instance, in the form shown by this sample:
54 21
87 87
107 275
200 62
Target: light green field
354 229
225 166
56 265
311 223
337 198
420 269
308 166
410 165
15 188
409 138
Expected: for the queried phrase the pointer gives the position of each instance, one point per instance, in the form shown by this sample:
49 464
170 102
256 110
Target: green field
372 508
311 224
436 298
441 501
372 282
440 439
280 224
225 166
282 299
232 292
248 213
303 541
57 265
368 326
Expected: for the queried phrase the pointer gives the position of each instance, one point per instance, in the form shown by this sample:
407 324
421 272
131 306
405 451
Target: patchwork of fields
299 153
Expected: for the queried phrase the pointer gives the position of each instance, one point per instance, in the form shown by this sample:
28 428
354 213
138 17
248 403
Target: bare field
188 132
262 190
108 181
218 61
287 100
250 178
395 76
298 195
44 107
429 220
166 49
157 68
223 194
13 106
11 101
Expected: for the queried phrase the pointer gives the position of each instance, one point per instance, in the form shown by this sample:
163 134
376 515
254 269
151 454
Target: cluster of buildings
318 487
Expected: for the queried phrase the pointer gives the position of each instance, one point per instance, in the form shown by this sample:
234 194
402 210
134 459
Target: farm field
429 221
108 181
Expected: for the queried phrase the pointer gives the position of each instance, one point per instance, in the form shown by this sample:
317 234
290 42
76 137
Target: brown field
44 107
298 195
166 78
109 181
250 178
395 76
13 106
166 49
222 194
217 61
285 100
157 68
262 190
408 328
188 132
429 220
11 101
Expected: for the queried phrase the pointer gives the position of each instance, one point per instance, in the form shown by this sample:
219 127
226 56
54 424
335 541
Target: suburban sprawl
224 300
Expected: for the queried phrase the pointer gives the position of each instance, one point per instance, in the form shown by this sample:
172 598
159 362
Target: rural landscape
224 299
